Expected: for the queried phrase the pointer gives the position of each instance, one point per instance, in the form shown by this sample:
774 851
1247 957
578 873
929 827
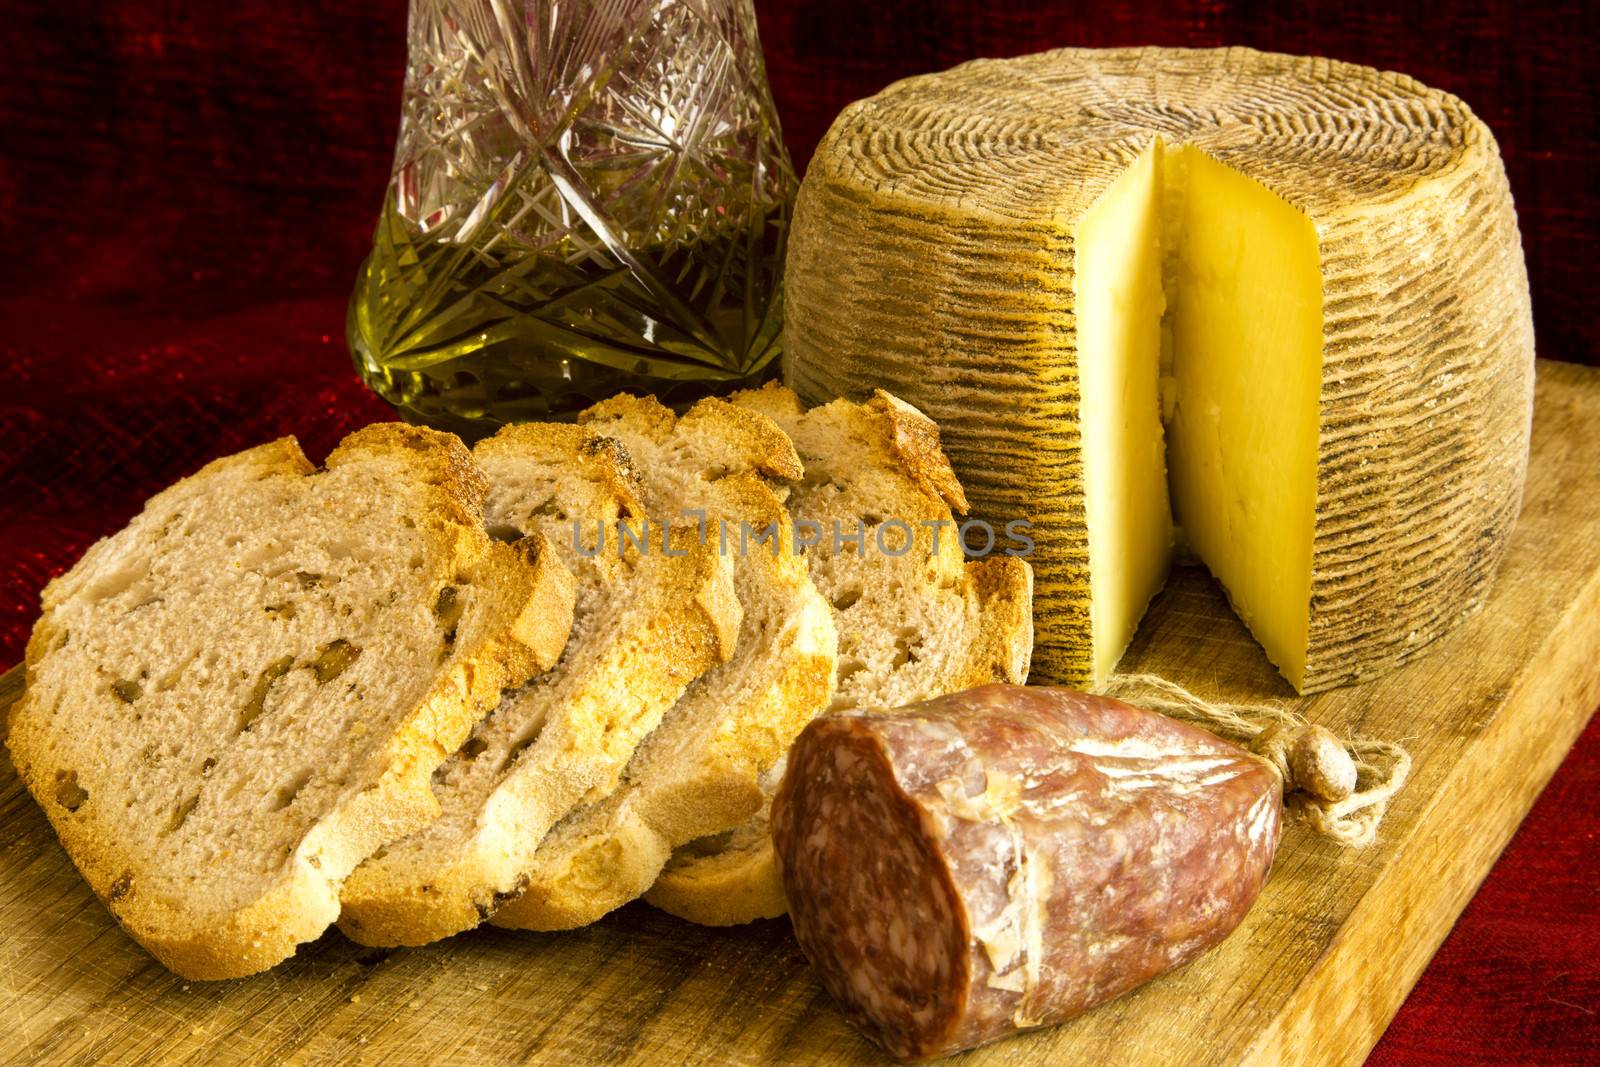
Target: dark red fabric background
186 190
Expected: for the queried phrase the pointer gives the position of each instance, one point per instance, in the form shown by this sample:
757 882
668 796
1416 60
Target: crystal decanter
587 196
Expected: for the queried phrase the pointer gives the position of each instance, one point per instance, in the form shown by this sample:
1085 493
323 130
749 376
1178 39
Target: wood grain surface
1312 976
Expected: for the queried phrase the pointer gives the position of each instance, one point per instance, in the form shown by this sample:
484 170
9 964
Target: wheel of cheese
1263 310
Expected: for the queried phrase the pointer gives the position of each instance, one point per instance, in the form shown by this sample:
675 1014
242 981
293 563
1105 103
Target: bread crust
569 737
520 631
732 886
697 774
887 454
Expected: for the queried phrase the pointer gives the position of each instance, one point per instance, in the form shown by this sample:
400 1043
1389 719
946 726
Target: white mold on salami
1009 857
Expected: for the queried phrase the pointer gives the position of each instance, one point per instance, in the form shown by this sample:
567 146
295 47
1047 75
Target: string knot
1340 787
1309 759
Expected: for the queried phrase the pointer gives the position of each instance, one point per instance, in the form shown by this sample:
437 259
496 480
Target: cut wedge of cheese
1247 369
1119 303
1270 310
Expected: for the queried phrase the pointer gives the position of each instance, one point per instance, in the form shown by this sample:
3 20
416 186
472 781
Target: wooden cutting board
1312 977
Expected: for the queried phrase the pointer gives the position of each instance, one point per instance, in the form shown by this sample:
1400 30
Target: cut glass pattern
588 195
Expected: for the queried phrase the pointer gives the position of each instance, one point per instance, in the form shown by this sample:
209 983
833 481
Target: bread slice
647 624
729 878
234 700
697 773
911 625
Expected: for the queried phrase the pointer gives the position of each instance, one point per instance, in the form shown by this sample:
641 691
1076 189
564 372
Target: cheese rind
935 252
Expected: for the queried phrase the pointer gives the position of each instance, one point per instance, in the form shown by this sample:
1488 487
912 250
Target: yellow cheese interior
1247 362
1240 446
1119 302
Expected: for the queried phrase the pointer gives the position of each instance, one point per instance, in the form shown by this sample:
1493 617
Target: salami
1010 856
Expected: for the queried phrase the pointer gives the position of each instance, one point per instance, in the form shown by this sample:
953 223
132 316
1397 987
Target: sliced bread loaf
647 624
234 700
697 773
913 622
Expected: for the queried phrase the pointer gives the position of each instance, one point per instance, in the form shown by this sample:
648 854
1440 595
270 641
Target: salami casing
1011 856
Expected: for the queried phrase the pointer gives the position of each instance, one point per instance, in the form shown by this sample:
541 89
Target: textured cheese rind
932 255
